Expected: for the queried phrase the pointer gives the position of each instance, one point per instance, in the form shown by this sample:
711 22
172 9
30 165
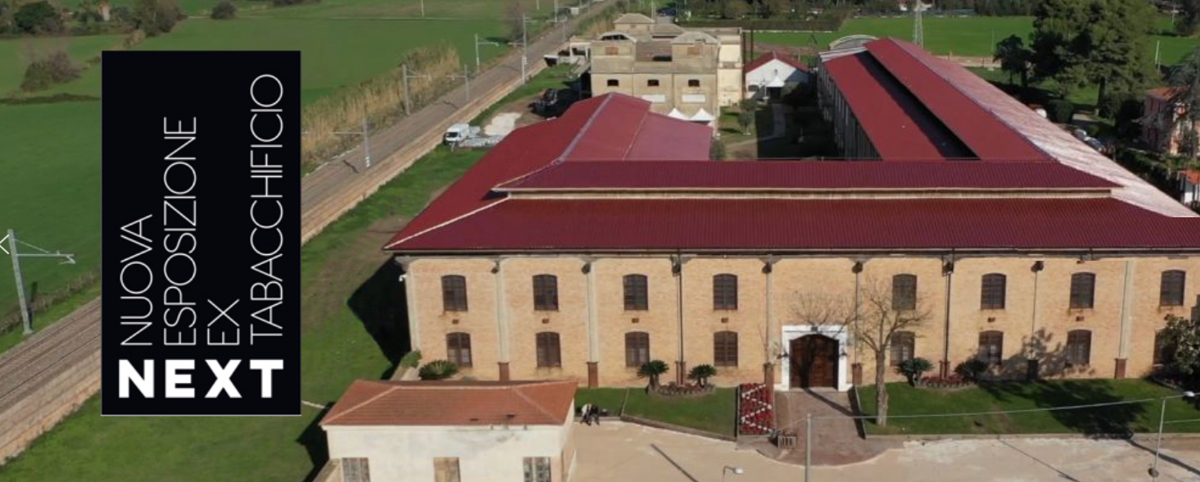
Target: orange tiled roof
372 402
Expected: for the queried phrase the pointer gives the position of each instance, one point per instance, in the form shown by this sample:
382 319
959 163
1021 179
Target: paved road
340 184
619 451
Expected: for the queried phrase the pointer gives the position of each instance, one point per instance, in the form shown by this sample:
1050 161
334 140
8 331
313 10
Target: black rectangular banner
201 185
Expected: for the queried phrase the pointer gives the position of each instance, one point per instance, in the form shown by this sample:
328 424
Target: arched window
904 292
725 349
725 292
549 352
1079 348
1172 291
994 292
454 293
637 348
991 347
545 292
458 348
1083 290
904 344
636 298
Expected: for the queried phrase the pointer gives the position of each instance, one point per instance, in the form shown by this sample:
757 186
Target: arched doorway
814 362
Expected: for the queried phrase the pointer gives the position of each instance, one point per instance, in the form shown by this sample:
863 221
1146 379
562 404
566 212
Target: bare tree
882 314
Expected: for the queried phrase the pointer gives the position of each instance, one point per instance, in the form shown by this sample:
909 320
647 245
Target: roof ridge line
637 133
521 393
586 126
445 223
360 405
955 86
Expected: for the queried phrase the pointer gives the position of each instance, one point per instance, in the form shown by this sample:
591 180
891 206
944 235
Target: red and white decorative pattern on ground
756 414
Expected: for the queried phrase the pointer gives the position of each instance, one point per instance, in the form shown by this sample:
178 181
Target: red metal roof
922 75
450 403
583 225
897 125
773 55
591 128
806 175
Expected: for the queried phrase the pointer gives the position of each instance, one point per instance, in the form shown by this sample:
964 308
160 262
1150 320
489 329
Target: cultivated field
965 36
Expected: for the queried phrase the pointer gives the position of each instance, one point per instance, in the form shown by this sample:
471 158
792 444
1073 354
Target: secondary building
382 431
687 74
584 246
773 75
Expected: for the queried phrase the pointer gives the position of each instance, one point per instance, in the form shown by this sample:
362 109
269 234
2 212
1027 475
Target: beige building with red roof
386 431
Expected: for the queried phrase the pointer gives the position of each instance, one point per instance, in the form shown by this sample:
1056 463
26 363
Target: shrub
156 16
716 151
913 368
224 10
50 70
701 373
411 359
438 370
972 370
1060 111
652 370
38 17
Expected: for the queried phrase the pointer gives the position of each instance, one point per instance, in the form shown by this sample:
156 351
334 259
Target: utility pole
807 445
366 136
16 261
466 76
405 76
918 28
422 8
477 44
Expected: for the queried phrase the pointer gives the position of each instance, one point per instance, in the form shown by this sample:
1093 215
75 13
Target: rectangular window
356 470
993 292
637 348
549 354
725 292
537 469
454 293
693 82
611 51
1083 290
901 349
1173 284
1164 349
1079 348
652 83
458 349
904 292
725 349
545 292
693 50
445 469
636 296
612 83
991 347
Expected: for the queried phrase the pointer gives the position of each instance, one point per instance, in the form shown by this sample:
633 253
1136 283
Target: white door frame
792 332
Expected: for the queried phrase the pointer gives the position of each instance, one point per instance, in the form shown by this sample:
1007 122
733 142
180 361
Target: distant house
1189 184
773 75
1160 131
384 431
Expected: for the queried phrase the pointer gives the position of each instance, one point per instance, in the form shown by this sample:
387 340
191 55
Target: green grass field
339 268
967 36
710 413
479 9
15 53
906 400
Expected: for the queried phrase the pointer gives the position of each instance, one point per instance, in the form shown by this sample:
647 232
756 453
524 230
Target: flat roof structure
980 172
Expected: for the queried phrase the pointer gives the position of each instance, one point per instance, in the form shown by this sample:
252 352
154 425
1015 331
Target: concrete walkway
619 451
836 440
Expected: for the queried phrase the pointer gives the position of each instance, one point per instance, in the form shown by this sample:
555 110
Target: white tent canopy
677 115
702 116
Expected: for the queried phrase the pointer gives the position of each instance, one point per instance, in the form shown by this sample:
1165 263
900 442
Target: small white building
453 431
773 75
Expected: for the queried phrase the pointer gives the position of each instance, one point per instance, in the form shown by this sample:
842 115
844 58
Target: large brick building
583 246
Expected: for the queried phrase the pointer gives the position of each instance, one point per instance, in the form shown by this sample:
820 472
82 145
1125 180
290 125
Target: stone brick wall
1035 320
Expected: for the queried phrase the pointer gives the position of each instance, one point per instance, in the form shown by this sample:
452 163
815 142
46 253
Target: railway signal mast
16 261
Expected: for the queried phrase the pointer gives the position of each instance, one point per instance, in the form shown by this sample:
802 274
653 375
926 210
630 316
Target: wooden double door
814 361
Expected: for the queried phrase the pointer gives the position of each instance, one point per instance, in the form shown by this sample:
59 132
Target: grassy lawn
1142 417
555 77
731 131
968 36
14 54
349 330
711 413
607 398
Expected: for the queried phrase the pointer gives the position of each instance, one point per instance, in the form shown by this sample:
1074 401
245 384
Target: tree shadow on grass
314 442
381 305
1111 421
